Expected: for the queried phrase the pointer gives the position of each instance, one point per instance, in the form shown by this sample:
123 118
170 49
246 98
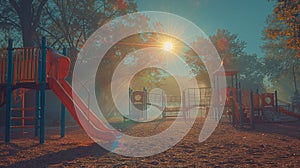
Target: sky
243 17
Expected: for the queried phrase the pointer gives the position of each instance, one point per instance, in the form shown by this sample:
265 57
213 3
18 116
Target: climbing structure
247 107
20 72
39 69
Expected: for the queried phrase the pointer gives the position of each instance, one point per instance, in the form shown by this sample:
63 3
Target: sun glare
168 46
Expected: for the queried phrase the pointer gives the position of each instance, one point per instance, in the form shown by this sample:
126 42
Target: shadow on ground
291 129
62 157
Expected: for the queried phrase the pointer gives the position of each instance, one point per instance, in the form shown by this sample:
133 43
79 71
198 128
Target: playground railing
245 98
25 63
156 98
197 97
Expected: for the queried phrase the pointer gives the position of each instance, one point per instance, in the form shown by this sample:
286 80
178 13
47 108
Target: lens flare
168 46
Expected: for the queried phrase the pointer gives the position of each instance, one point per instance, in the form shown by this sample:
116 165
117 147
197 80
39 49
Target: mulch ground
268 145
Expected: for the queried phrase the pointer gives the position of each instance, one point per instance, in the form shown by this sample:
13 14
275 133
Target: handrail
284 102
83 86
26 64
21 48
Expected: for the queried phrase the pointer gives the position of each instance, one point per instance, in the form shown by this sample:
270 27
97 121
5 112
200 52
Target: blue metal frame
63 110
43 91
163 104
233 119
9 84
145 104
252 110
276 100
37 112
240 105
38 96
130 102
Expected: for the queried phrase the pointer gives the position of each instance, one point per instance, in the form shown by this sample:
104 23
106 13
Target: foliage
66 23
24 17
229 47
232 51
71 22
287 16
280 56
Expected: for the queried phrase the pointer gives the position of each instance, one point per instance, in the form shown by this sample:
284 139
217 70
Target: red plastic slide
57 70
282 110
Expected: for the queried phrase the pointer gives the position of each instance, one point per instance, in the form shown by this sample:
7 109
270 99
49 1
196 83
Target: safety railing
25 65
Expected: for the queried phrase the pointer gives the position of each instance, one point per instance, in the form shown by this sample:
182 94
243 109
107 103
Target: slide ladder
22 117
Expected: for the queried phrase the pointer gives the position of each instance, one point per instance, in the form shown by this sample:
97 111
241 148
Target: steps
22 117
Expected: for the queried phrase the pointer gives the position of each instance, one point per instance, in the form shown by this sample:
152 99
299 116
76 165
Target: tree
287 13
229 47
71 22
281 63
65 23
23 16
232 51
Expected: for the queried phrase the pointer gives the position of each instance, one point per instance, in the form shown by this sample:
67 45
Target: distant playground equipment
248 107
170 105
243 107
42 68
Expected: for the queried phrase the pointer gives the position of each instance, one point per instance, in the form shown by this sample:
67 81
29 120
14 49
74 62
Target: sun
168 46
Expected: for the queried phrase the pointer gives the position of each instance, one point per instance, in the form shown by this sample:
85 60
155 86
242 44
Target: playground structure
243 107
39 69
248 107
42 68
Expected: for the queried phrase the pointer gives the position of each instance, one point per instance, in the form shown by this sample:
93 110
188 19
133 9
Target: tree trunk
29 18
25 15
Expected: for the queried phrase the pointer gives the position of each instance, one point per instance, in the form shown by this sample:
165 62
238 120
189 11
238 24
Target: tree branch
38 13
15 5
